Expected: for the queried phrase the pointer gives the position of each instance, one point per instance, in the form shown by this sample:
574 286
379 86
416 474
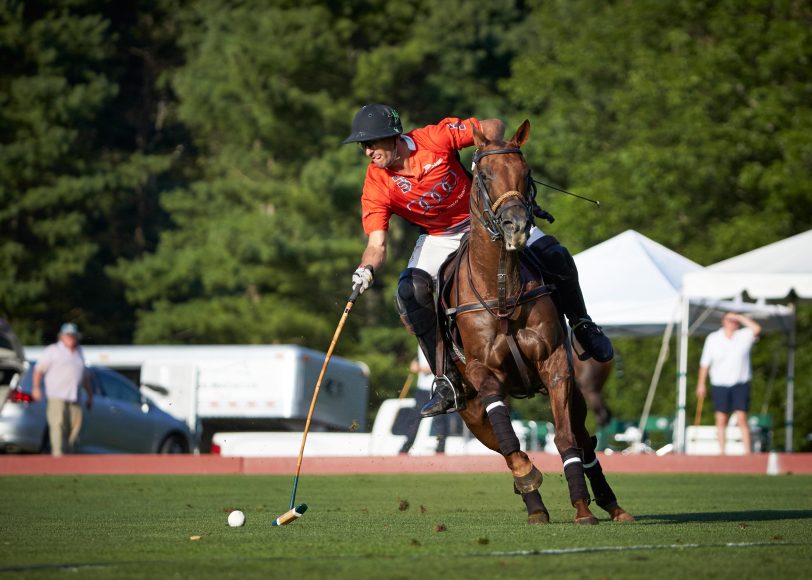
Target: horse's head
503 189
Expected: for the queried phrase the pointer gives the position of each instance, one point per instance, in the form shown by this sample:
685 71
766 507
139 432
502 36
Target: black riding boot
559 265
415 302
445 397
592 339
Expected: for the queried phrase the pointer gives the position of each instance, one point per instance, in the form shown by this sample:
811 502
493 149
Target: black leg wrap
574 471
533 502
499 416
589 451
604 496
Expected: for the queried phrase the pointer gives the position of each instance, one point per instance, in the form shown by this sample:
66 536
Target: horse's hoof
589 520
618 514
538 518
622 516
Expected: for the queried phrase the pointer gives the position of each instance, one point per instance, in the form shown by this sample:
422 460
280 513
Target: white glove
362 278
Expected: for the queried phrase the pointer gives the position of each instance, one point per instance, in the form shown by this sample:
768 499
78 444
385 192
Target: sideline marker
772 464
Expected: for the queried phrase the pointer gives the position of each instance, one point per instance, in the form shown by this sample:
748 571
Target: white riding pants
431 251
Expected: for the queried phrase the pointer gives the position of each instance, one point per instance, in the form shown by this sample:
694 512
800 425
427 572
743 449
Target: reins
503 307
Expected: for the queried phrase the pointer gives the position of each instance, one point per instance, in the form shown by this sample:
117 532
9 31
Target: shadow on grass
742 516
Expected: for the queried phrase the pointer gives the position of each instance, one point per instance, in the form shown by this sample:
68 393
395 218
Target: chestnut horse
590 376
507 326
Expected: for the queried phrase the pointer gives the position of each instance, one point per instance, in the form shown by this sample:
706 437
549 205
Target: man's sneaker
594 342
445 399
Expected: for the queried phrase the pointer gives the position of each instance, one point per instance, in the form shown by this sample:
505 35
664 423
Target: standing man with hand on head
726 358
62 365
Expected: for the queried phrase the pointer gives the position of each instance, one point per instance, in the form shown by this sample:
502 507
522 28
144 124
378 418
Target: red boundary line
782 463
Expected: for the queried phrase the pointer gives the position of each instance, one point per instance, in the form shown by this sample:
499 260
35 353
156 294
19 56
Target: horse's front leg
555 373
604 495
489 420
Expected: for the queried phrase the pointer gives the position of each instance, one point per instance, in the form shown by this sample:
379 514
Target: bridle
490 213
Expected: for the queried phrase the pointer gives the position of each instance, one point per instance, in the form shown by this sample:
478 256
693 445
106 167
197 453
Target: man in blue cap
62 366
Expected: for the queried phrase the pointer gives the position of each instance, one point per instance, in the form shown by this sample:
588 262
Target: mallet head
291 515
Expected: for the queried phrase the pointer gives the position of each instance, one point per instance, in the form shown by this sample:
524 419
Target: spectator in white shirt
62 365
726 358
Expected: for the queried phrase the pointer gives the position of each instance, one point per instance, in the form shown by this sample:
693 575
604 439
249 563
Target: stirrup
444 398
458 394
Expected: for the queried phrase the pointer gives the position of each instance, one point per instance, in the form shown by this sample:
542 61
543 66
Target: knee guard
415 301
555 258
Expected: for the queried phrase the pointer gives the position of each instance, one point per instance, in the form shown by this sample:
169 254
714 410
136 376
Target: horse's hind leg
490 429
604 496
556 375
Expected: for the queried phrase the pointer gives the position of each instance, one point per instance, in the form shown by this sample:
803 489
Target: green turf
689 526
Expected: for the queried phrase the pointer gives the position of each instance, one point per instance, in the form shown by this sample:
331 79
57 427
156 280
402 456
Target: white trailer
242 387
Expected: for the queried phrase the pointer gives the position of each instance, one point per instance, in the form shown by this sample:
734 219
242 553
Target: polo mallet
296 511
406 384
698 415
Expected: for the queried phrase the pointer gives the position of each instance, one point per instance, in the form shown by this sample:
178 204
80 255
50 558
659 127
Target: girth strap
490 305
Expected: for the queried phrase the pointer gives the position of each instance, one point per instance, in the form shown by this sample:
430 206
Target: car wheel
173 444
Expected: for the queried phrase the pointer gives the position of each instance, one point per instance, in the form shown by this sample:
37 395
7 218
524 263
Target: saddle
449 340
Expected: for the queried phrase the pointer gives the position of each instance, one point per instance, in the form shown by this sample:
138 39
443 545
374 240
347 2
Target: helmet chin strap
396 156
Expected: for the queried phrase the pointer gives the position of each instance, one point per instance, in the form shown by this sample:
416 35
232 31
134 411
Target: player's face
380 151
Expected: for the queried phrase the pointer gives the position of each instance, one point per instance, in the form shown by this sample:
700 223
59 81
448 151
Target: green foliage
77 175
673 114
172 171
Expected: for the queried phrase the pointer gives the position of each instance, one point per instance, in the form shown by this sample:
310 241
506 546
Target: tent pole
655 379
790 409
682 378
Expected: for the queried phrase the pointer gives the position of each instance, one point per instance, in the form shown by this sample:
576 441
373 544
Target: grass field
409 526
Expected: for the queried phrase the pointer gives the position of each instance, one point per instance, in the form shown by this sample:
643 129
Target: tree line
171 171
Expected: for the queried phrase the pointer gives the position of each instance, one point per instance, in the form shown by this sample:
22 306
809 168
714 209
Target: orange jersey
435 196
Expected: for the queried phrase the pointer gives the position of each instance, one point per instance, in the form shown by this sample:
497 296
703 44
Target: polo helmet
374 121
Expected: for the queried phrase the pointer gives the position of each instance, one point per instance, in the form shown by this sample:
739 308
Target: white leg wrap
494 405
572 460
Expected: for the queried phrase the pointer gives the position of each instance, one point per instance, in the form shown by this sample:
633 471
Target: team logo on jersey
438 194
402 183
458 125
429 166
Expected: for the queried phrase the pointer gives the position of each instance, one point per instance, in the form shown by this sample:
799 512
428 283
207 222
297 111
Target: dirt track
795 463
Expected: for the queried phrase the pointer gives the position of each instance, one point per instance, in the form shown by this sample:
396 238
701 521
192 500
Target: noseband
489 213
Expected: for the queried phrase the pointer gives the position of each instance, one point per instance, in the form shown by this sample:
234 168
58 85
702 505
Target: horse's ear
522 134
479 137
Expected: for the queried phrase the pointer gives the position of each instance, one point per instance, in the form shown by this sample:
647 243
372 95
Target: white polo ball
236 519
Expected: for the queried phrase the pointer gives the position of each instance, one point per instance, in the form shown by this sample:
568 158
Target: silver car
122 420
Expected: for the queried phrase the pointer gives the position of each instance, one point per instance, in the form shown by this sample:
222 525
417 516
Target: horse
513 341
590 376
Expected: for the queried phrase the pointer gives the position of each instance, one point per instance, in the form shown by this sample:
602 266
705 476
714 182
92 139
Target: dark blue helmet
374 122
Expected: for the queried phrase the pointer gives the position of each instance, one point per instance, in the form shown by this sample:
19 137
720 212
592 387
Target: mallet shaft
353 297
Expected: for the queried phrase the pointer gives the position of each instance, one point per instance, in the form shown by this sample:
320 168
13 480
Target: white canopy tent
632 285
778 271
